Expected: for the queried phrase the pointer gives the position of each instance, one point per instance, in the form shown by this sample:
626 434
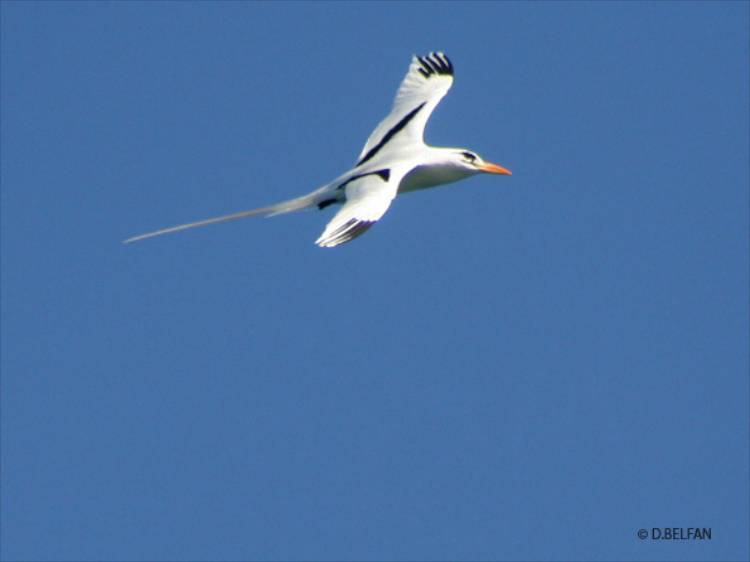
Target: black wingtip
436 63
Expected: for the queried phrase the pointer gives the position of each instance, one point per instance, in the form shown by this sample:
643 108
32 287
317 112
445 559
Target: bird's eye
469 156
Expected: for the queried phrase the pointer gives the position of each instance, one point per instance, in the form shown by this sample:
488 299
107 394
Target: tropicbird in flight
395 160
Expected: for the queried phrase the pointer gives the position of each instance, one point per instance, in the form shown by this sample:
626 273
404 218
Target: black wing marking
323 204
384 174
390 134
435 63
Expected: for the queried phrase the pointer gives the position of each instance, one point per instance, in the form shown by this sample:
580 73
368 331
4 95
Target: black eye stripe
469 156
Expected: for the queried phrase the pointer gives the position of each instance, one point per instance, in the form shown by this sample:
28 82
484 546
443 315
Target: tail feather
298 204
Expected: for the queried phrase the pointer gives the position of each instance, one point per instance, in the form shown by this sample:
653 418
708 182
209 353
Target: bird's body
394 160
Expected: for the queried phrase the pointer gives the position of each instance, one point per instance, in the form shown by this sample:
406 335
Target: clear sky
531 367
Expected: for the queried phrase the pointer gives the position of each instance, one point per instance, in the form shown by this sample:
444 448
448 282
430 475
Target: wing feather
368 197
426 82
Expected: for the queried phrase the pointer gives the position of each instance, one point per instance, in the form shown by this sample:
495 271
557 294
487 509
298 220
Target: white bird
395 160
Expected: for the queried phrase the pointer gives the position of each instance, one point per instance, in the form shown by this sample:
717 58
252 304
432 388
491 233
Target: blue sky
509 368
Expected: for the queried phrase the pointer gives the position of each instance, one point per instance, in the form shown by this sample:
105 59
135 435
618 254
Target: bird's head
471 162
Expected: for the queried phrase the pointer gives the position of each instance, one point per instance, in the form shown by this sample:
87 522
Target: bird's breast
423 177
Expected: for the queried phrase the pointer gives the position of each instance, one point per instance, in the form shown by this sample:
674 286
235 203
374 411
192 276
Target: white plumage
394 160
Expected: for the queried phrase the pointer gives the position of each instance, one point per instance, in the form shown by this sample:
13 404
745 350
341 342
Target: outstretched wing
429 78
368 197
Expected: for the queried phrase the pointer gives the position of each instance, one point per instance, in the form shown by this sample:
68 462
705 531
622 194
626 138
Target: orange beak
494 169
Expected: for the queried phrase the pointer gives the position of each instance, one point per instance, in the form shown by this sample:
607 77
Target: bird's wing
368 197
429 78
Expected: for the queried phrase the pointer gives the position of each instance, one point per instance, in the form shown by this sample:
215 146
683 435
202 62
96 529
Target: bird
394 160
